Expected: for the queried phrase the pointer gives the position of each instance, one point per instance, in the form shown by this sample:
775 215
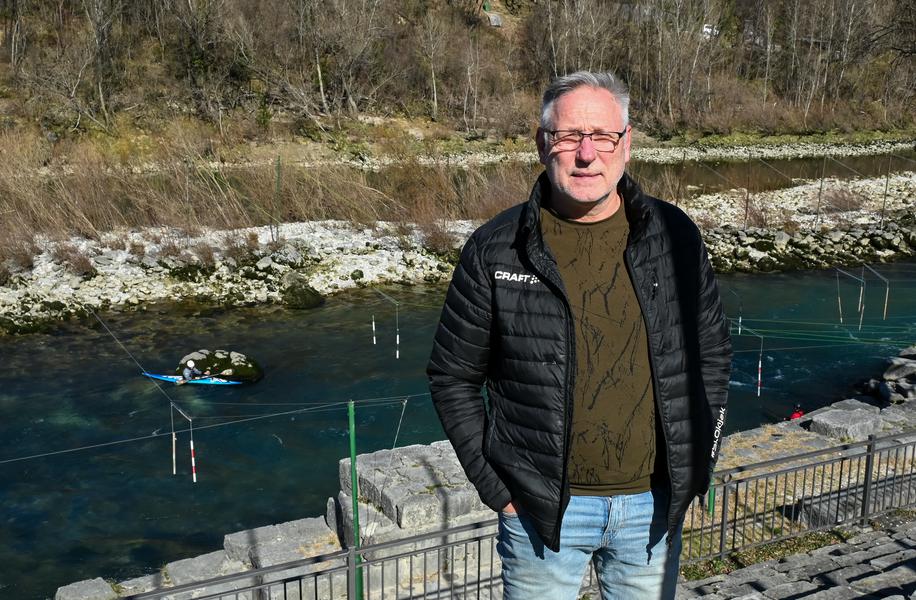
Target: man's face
584 176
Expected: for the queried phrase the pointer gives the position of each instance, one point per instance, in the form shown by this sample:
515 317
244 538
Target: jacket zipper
567 409
658 403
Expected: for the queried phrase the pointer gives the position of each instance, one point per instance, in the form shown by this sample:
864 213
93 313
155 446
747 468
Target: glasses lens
567 140
605 142
570 140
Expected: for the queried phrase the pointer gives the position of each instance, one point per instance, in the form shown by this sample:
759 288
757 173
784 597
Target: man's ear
540 139
626 144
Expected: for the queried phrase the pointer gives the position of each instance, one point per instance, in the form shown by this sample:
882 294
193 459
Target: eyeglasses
570 139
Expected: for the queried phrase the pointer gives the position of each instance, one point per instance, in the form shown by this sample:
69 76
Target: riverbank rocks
764 250
298 264
223 363
899 383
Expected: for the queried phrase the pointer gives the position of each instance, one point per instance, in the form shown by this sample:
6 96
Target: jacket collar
635 204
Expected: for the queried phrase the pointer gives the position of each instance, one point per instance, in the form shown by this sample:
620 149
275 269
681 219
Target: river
116 510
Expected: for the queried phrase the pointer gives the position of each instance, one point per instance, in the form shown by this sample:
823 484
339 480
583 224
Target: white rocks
327 252
806 204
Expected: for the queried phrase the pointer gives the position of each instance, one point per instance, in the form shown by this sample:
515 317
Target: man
592 316
191 372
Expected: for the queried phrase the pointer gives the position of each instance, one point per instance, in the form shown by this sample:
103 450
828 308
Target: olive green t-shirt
613 427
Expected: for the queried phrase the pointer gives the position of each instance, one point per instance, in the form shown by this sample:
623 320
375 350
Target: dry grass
842 199
73 259
90 193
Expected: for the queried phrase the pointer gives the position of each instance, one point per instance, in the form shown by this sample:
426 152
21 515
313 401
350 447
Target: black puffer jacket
506 323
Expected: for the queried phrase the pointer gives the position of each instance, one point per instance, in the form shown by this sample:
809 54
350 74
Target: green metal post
354 488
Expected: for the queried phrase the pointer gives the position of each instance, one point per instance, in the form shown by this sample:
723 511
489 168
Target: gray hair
567 83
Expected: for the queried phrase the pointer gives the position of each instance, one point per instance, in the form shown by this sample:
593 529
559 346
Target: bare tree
432 43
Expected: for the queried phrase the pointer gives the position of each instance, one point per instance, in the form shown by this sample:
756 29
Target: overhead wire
327 407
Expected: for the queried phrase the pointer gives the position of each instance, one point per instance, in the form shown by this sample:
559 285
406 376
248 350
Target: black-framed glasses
569 139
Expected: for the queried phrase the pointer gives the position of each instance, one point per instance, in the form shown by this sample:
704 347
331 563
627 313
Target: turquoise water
117 511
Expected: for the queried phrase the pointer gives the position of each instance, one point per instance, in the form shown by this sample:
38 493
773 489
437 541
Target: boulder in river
224 363
297 293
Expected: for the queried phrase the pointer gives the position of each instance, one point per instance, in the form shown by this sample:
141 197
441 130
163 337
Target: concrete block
846 424
205 567
238 545
853 404
89 589
304 538
415 486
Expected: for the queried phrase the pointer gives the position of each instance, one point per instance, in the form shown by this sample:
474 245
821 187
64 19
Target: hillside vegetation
773 66
133 113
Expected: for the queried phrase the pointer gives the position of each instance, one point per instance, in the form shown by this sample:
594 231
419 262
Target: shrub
19 252
73 259
206 254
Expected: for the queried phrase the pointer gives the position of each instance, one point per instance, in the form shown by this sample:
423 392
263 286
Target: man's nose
586 152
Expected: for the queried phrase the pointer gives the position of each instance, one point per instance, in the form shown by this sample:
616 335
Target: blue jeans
625 536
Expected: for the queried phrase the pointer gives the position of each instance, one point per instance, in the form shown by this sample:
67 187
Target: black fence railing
761 503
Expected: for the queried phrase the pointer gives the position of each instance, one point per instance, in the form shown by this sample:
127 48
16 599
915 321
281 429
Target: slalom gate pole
354 488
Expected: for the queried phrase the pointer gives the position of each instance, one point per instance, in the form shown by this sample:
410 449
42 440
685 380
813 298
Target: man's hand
509 509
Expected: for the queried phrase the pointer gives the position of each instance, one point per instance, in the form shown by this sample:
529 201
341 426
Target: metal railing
747 506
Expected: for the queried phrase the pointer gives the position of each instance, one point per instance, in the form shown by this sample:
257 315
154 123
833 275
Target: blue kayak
198 380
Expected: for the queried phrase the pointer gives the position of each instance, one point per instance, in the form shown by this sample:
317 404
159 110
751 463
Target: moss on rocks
227 364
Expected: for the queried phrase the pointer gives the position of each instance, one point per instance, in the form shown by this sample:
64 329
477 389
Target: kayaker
191 372
797 413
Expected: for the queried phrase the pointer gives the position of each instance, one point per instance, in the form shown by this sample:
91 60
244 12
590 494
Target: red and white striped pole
760 368
193 464
193 461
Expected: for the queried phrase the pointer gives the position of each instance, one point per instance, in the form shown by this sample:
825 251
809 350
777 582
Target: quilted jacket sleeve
457 371
715 348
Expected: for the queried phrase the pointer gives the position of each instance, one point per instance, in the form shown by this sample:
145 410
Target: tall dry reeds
92 192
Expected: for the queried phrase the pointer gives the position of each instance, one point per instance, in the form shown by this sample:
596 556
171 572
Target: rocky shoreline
642 153
297 264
